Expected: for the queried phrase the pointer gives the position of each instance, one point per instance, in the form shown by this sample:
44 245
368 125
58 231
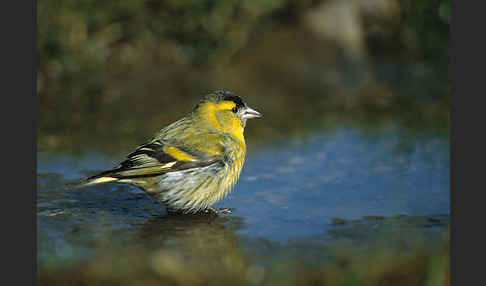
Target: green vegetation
110 74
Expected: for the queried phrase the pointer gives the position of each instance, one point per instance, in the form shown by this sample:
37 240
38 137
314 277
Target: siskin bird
195 161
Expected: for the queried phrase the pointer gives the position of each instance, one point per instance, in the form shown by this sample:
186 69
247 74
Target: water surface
300 190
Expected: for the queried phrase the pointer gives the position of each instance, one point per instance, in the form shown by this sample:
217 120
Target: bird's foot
219 210
209 210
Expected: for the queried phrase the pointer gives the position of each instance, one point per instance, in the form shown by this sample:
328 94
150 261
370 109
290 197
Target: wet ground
349 184
346 180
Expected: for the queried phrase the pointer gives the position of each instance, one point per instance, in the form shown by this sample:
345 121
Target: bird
193 162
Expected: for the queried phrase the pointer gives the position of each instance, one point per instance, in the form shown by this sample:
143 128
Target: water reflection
196 250
177 230
346 181
288 192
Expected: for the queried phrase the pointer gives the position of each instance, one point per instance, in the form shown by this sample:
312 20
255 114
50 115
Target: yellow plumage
195 161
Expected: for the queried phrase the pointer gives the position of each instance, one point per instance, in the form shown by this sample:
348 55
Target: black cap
230 96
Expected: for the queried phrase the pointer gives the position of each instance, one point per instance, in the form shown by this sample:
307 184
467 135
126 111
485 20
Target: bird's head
226 112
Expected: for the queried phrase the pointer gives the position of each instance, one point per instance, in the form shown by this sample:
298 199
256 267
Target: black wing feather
151 160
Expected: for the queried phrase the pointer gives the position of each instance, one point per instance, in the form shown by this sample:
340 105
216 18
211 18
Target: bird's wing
155 158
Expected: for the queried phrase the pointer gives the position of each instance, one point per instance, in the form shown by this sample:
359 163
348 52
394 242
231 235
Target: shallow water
291 191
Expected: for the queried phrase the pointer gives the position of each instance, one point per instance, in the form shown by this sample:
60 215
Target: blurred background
352 151
112 73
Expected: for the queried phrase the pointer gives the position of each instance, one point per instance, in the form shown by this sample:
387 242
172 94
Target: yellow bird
195 161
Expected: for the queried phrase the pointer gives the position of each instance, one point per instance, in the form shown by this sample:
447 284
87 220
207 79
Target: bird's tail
98 179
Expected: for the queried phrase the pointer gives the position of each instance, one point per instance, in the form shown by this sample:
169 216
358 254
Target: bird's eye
234 109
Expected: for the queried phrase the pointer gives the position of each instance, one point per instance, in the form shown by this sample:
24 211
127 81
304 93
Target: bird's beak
248 113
